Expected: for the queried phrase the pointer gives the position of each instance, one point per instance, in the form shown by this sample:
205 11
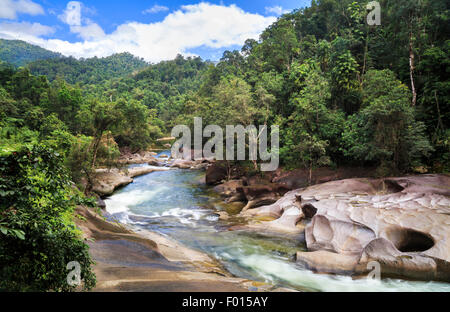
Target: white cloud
202 24
277 10
155 9
91 31
15 30
9 9
85 28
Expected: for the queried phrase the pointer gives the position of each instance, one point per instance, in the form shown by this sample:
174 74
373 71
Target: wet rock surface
106 181
148 262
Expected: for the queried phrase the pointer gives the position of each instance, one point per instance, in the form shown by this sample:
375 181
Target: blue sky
153 30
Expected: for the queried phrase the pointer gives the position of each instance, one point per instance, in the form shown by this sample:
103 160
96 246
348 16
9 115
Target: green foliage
312 126
38 238
385 131
381 126
339 89
79 159
13 137
28 52
87 71
135 125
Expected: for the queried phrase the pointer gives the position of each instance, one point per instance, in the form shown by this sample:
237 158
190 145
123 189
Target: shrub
38 236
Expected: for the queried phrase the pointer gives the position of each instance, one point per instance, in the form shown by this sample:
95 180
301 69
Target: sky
152 30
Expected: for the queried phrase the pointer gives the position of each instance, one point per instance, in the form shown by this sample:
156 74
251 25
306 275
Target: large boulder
325 233
262 194
287 223
323 261
394 263
137 158
140 171
230 191
283 216
182 164
275 210
107 181
403 223
216 173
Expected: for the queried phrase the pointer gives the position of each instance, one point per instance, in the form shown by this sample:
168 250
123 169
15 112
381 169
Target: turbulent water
177 204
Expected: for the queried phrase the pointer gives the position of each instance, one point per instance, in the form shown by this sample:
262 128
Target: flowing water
176 203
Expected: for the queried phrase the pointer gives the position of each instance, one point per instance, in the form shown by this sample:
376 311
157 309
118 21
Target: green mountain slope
20 53
88 71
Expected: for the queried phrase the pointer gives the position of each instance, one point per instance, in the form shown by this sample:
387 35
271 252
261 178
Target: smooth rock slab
107 181
403 223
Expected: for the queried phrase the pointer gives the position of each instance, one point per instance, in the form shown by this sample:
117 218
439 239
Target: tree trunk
411 69
228 171
440 123
96 146
366 51
310 174
90 183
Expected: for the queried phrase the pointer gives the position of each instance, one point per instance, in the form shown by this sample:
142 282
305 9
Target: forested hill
54 65
20 53
342 92
162 87
87 71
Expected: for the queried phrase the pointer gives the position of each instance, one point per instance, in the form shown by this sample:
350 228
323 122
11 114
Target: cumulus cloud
277 10
91 31
24 30
9 9
192 26
155 9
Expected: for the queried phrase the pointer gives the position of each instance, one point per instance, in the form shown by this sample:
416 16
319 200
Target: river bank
277 240
139 260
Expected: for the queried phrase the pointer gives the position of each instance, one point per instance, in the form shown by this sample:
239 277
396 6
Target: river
177 204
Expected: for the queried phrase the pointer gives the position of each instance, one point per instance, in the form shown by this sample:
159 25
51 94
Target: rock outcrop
401 223
262 194
137 158
190 164
216 173
148 262
107 181
299 178
276 210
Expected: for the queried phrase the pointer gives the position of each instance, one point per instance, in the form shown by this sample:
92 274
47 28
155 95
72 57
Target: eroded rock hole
309 210
393 186
407 240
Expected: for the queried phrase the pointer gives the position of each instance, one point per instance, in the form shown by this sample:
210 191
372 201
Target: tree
280 45
105 116
344 83
308 134
38 236
385 130
135 129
